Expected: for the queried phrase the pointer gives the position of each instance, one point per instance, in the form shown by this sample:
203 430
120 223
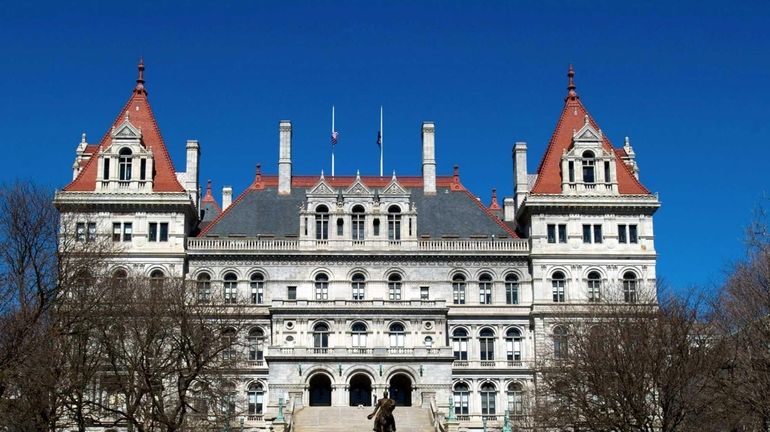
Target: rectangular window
376 227
80 232
551 233
143 169
340 227
485 292
571 165
607 177
586 233
116 231
163 231
291 293
106 174
152 232
598 234
424 293
128 230
91 233
622 234
562 233
632 234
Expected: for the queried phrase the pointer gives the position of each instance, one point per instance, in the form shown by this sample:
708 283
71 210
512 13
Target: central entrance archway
401 389
360 390
320 390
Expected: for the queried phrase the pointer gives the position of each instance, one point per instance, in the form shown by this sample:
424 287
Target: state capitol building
351 285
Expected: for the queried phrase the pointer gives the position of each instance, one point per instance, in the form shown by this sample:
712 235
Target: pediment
126 130
587 134
358 188
394 188
322 188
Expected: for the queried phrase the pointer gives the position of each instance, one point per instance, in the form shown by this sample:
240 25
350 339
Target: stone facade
352 285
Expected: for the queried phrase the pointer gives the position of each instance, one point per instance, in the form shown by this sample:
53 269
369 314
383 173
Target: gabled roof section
453 211
572 119
209 205
139 111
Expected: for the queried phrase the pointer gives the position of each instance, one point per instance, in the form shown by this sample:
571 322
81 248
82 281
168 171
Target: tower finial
140 79
572 93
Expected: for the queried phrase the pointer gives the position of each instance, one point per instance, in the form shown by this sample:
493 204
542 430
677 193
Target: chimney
284 157
509 209
520 187
429 157
191 169
227 197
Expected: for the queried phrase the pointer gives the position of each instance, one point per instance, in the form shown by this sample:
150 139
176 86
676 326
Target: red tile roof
140 115
572 119
209 198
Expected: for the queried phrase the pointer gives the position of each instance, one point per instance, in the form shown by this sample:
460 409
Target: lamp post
507 422
241 421
280 410
451 416
484 422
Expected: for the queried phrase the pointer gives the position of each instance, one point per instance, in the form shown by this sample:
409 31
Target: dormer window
322 223
394 223
589 163
124 164
359 225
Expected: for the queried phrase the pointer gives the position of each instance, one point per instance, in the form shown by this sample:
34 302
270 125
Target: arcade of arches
360 390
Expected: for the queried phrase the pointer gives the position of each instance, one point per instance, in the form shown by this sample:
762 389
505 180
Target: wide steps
353 419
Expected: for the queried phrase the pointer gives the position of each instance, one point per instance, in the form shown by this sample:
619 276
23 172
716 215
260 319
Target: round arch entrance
401 389
360 390
320 390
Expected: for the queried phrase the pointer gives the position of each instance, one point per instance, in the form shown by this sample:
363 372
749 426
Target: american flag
334 137
379 138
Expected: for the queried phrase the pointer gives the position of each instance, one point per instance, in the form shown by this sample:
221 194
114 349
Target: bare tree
618 366
743 313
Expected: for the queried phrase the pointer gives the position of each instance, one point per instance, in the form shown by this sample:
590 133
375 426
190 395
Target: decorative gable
358 187
322 189
394 188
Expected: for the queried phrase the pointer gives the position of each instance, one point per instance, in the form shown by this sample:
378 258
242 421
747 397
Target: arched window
394 286
394 223
203 287
513 344
397 335
358 331
256 396
511 289
460 344
560 348
257 288
231 288
157 278
594 285
321 337
322 286
487 344
630 283
124 164
359 223
228 344
428 342
515 398
461 395
589 163
488 399
120 278
558 281
359 285
322 223
458 289
485 289
256 340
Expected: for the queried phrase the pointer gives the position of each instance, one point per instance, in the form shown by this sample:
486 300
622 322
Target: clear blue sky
688 82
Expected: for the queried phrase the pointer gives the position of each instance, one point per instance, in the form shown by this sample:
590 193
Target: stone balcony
229 245
492 364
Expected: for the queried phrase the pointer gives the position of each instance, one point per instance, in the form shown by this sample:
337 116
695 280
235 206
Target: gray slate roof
264 212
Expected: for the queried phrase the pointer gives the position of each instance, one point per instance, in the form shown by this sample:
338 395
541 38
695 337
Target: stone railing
364 304
484 364
257 245
359 352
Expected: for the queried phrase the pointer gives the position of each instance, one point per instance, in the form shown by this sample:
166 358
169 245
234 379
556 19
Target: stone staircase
353 419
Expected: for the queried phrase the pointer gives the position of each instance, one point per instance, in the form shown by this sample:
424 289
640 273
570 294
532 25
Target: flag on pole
335 135
379 138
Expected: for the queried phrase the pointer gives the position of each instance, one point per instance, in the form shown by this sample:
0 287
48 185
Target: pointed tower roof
141 115
573 117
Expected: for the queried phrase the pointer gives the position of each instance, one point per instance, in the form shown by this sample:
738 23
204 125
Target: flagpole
382 141
333 141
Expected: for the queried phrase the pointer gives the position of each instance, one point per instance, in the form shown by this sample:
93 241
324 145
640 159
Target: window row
124 231
515 398
126 166
513 344
358 288
358 224
592 233
630 285
589 166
